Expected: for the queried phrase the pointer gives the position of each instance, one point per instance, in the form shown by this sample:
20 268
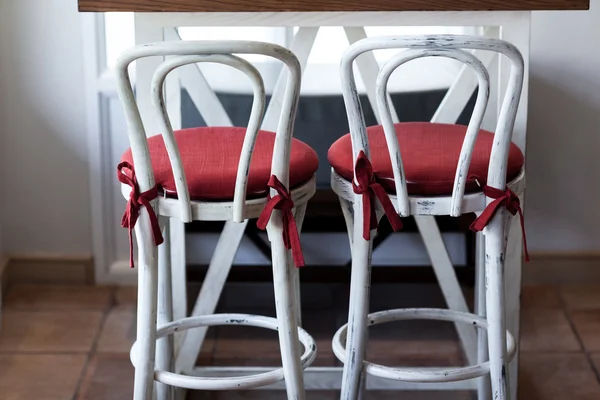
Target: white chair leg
495 246
286 308
165 346
356 340
147 266
484 391
299 214
178 272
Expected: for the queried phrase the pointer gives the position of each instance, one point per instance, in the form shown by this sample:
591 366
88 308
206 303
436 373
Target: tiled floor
72 343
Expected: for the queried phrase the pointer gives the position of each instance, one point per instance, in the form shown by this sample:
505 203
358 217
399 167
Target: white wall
43 144
44 173
563 137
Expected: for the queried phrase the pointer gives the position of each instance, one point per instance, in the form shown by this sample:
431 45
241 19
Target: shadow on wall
563 166
43 154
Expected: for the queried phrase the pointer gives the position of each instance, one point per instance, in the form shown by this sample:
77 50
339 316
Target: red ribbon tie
283 201
136 201
369 189
510 201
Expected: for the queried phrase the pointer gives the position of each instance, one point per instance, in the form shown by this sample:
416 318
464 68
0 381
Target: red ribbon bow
283 202
506 198
368 188
136 201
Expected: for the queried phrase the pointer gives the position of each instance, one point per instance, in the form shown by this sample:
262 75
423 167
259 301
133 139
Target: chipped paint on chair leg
495 248
484 391
299 214
356 340
286 308
165 346
147 308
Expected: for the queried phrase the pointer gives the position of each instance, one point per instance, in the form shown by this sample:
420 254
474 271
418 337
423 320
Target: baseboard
49 269
562 267
544 268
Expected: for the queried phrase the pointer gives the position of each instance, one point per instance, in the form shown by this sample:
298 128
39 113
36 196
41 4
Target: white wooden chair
207 174
429 169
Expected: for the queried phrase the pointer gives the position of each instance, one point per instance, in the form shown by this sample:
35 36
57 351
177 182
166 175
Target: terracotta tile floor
72 343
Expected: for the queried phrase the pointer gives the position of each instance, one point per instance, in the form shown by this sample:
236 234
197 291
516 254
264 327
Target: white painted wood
222 211
146 308
464 86
422 205
330 378
356 341
165 346
146 32
316 19
368 68
376 83
204 98
446 276
420 374
299 214
212 287
484 390
173 87
226 383
515 23
516 31
178 274
495 308
301 46
384 105
180 53
286 296
350 19
256 116
446 46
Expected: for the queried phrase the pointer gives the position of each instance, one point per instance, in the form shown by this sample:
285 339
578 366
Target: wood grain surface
327 5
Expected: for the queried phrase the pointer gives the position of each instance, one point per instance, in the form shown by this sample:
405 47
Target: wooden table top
328 5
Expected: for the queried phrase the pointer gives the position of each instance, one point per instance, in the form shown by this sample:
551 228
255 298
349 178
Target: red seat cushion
430 152
211 156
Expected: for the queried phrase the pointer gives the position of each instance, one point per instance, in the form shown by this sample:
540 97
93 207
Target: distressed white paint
352 19
165 346
180 53
330 378
436 46
229 382
422 374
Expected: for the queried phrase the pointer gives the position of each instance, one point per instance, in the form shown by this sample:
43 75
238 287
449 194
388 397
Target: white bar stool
429 169
214 174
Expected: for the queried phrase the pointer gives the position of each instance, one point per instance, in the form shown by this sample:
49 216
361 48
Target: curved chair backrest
222 52
450 46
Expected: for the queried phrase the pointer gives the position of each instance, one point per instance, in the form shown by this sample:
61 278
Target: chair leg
286 308
299 214
165 346
147 266
356 340
484 392
495 247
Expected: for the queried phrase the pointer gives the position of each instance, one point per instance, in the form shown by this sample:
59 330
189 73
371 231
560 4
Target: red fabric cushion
211 156
430 153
